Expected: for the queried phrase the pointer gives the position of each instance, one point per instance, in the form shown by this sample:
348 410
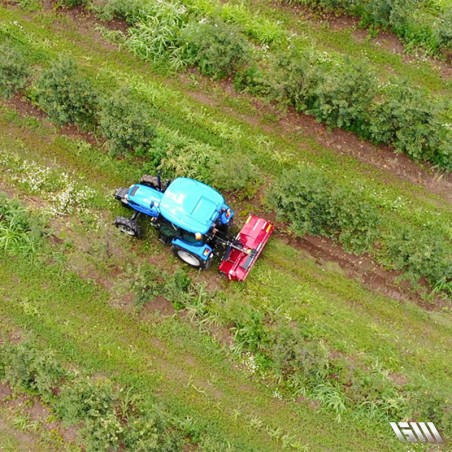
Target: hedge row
293 355
127 123
419 23
309 203
337 91
108 421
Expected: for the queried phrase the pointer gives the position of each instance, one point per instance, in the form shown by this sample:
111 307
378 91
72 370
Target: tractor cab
194 219
194 207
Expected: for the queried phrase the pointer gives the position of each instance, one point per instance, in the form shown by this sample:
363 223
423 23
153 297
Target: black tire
150 181
128 226
191 259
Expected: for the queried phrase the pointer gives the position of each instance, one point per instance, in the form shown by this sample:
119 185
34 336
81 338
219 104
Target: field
333 132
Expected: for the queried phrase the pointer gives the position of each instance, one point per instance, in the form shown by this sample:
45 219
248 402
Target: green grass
166 361
343 41
72 315
170 360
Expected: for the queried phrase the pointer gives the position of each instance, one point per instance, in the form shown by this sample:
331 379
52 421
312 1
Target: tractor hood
191 205
144 196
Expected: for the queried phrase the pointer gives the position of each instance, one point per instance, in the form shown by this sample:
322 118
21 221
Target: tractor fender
203 251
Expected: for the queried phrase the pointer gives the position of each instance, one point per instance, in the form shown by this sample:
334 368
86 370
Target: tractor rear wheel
150 181
189 258
128 226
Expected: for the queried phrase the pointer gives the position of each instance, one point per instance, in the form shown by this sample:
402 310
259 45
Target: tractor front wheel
189 258
128 226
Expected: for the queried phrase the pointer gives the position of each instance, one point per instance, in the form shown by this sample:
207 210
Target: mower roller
195 220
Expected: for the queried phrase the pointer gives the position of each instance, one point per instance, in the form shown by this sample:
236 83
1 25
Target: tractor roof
191 205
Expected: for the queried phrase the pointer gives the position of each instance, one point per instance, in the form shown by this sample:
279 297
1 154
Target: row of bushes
308 368
341 93
20 231
111 417
337 91
306 199
68 97
419 23
293 355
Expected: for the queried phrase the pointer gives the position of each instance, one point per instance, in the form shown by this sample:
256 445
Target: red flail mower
238 260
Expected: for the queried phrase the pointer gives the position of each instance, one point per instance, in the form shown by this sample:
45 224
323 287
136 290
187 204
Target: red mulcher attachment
239 260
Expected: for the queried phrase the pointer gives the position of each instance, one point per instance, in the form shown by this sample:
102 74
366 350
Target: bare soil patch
365 270
160 305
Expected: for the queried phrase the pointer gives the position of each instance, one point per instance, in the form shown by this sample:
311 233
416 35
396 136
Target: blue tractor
194 219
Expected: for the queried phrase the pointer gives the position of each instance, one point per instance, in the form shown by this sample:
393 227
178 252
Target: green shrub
302 197
149 282
377 13
432 405
148 432
336 93
252 79
310 204
409 119
357 221
93 403
30 5
420 253
14 70
235 173
444 30
26 368
250 333
66 95
85 398
179 156
72 3
293 354
128 10
190 159
20 232
126 123
324 4
216 48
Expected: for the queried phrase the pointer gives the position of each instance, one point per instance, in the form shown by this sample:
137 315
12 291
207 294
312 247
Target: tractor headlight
198 236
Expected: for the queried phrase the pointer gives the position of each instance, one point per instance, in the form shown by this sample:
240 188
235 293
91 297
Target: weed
20 232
